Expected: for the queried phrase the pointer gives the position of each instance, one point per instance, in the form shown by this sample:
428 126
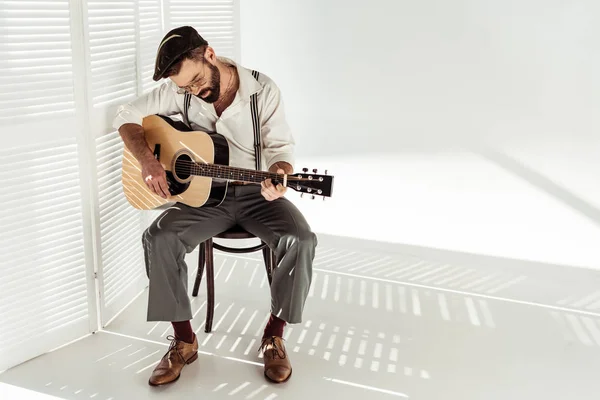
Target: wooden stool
206 257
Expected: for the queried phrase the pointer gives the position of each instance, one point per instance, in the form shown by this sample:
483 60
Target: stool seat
235 232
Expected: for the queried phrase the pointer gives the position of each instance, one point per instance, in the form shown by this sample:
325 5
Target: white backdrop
469 125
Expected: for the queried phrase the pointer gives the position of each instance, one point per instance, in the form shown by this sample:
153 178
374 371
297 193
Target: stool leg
210 286
201 260
273 264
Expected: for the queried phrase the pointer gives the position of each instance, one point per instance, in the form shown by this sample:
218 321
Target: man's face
200 78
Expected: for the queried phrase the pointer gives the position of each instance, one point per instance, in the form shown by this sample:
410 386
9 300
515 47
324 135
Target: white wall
410 79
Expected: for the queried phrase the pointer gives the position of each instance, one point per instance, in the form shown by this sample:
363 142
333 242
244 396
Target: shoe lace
173 347
277 351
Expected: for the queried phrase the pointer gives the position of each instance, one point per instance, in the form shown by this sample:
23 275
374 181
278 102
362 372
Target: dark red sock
274 327
183 331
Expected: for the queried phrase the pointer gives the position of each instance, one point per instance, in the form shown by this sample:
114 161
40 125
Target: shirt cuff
127 115
285 157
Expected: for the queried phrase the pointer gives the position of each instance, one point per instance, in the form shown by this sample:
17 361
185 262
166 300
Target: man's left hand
271 192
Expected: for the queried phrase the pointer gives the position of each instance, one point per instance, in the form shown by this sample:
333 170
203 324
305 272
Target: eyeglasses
194 85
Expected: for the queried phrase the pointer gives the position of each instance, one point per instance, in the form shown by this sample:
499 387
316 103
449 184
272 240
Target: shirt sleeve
276 135
163 100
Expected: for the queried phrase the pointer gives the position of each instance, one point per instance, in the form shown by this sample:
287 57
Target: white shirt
235 122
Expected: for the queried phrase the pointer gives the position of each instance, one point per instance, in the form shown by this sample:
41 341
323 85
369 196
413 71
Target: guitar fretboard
231 173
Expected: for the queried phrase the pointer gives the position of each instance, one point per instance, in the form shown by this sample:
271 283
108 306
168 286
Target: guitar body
173 142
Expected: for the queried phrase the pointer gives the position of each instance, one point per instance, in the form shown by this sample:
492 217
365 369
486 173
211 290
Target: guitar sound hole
183 167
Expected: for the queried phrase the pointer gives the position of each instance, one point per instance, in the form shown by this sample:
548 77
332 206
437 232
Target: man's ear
209 54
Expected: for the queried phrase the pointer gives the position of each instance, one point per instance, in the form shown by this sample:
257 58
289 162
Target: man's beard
214 86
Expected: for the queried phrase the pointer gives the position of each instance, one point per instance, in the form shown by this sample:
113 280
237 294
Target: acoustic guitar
198 170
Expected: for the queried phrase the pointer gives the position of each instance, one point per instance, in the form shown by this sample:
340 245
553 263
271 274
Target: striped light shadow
225 259
416 303
249 322
141 359
402 297
271 396
463 278
202 325
566 332
256 392
254 271
263 281
495 279
167 329
311 291
325 287
396 266
506 285
371 388
592 328
338 287
153 328
443 306
449 271
113 353
198 310
473 316
389 298
235 320
239 389
350 290
362 293
579 330
453 277
380 267
219 387
235 344
135 352
345 264
218 346
334 257
261 327
591 298
410 269
408 371
250 345
432 272
375 296
424 266
216 327
487 314
231 270
370 264
473 283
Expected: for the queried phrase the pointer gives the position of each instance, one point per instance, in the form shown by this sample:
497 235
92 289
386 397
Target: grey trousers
181 228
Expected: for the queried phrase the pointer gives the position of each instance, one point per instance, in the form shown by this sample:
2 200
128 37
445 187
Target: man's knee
302 237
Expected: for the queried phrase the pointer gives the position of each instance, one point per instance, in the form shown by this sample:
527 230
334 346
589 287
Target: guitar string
189 166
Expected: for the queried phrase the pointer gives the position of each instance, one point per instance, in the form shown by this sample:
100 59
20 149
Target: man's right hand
155 177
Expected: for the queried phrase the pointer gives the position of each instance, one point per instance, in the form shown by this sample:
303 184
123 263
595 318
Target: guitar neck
232 173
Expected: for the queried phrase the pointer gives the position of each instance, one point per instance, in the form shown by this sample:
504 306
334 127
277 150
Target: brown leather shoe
169 368
277 364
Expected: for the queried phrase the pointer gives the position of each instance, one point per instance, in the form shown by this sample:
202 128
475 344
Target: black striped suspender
255 120
255 124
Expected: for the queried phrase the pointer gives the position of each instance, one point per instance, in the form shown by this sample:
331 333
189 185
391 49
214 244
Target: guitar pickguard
176 187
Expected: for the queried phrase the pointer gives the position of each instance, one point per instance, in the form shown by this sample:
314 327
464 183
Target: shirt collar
248 84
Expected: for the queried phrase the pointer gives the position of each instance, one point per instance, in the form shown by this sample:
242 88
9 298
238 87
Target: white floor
447 277
381 321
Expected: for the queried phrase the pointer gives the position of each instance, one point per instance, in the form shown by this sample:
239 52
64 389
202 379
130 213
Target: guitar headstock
313 183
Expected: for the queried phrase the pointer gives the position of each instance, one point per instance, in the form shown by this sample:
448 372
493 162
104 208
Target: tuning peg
302 195
313 197
325 172
305 170
314 170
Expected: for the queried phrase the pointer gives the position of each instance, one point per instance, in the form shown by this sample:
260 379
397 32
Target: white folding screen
215 20
68 237
45 236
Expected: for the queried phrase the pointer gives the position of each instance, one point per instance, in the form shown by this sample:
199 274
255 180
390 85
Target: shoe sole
191 360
